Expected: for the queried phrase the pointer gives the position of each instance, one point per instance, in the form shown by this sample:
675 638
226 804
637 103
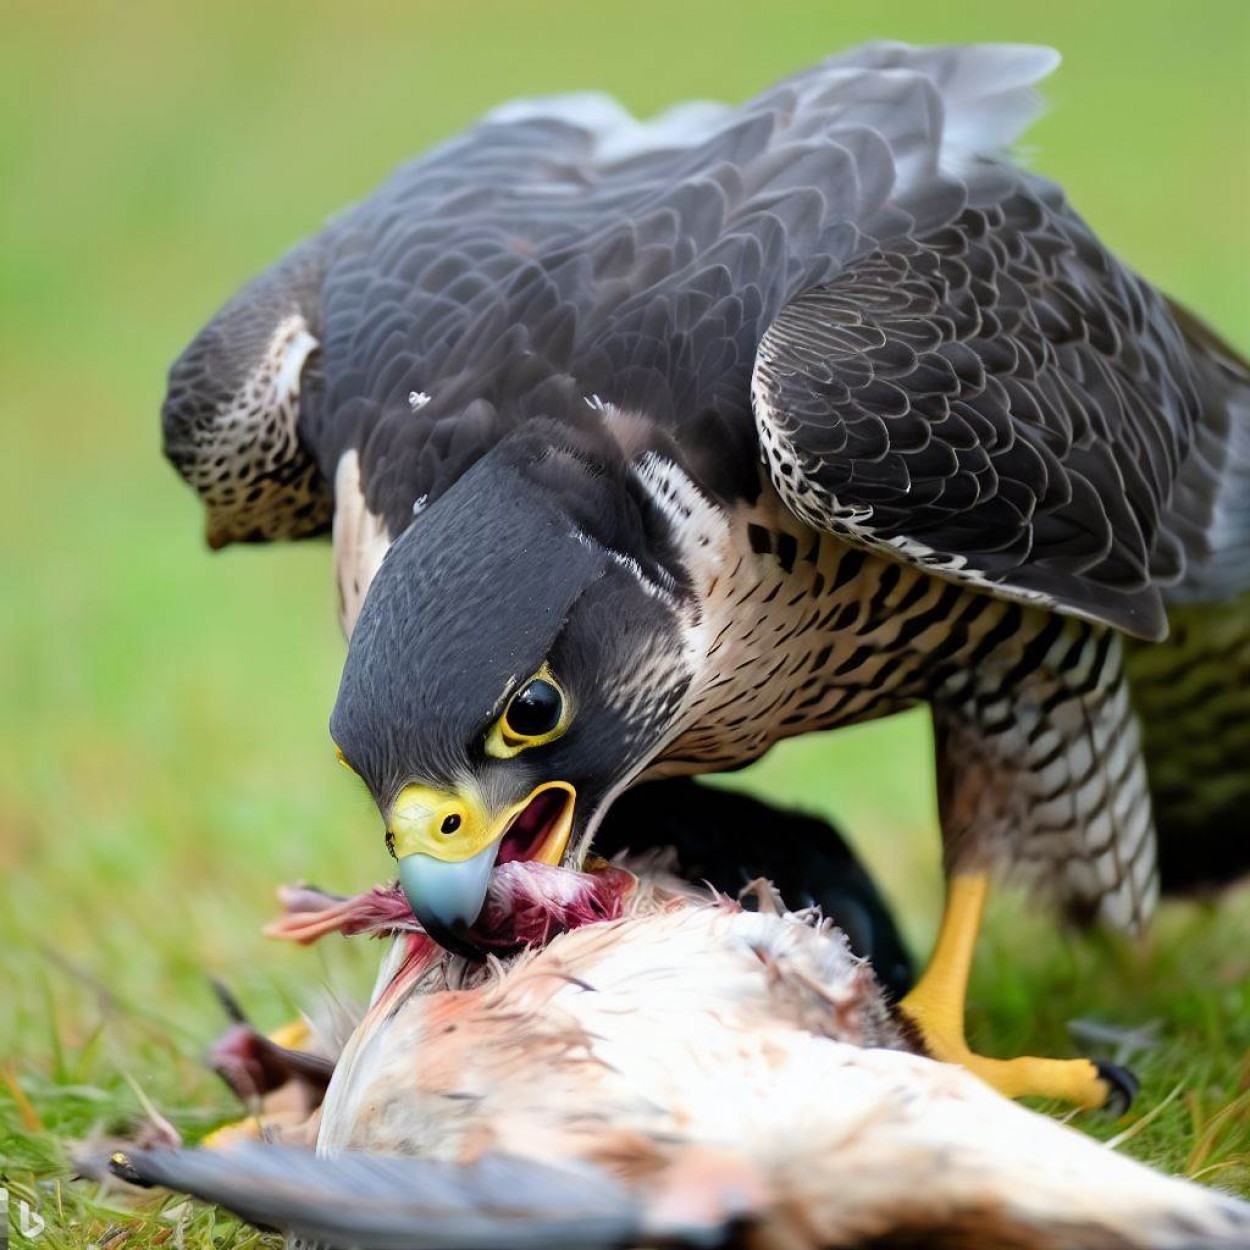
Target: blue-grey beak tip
447 897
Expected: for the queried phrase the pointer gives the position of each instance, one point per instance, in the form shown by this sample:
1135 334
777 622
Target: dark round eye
450 824
535 709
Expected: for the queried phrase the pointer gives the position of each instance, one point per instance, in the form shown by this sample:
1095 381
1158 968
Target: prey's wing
376 1202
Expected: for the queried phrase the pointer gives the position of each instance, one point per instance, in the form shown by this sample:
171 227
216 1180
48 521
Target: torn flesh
527 904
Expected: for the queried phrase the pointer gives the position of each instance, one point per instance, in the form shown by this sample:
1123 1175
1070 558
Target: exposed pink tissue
530 903
527 904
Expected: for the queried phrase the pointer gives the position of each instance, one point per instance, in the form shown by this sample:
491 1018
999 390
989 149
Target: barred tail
1192 692
1192 697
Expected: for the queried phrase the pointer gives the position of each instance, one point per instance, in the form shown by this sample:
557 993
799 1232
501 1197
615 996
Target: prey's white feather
757 1043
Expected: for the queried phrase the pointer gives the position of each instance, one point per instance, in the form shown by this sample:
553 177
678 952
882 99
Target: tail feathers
988 91
1192 692
1192 697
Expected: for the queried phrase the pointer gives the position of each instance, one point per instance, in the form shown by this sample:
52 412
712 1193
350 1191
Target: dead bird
680 1070
681 823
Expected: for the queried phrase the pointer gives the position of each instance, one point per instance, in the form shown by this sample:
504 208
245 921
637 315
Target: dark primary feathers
363 1201
728 839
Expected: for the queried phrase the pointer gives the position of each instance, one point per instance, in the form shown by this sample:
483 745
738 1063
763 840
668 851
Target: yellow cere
434 822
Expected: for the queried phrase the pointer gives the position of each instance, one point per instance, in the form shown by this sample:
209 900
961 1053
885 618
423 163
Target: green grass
163 726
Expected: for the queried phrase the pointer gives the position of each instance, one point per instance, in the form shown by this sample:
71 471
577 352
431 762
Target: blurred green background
165 755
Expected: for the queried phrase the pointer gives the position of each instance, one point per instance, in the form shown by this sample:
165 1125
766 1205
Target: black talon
1121 1084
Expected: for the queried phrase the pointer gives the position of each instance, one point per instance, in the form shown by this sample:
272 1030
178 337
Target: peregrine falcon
645 445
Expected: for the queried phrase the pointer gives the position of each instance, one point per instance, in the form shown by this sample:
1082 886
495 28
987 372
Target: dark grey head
518 658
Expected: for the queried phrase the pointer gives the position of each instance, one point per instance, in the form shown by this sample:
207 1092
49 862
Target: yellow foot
227 1136
935 1009
293 1035
1082 1082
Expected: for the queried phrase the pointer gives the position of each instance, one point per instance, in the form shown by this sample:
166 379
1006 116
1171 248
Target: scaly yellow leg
936 1008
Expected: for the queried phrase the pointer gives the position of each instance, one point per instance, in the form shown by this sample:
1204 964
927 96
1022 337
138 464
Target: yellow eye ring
536 714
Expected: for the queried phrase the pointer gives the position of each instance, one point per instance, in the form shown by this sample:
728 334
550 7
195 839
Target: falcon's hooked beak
447 845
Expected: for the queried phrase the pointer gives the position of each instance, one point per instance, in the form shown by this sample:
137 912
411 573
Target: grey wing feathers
376 1202
1210 507
560 248
994 397
999 401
